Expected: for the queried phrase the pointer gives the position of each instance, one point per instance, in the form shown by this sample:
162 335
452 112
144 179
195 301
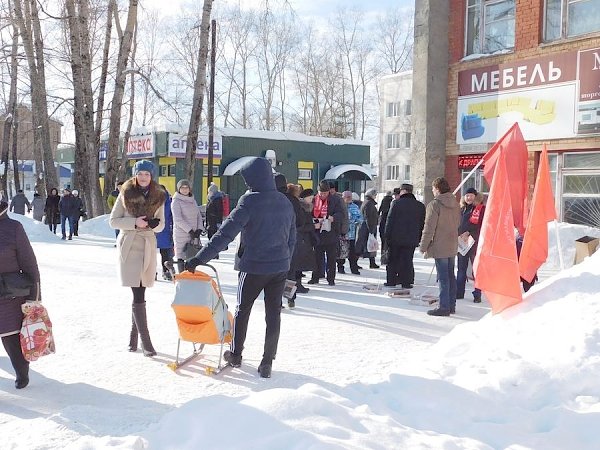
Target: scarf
320 208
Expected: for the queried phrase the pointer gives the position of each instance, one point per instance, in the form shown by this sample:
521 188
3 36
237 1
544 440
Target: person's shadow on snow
81 407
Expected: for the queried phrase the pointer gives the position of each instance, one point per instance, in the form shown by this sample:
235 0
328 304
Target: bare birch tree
28 22
10 119
199 92
394 39
125 41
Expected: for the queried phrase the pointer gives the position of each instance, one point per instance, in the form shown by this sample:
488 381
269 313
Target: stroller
201 314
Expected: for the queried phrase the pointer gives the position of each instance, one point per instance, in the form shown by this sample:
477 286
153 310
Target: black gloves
190 264
153 223
195 233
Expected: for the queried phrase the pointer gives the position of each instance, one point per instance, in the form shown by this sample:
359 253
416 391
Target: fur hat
371 193
143 166
355 197
181 183
75 192
406 187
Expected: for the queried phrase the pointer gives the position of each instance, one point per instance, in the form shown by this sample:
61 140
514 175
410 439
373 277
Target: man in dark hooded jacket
403 228
266 220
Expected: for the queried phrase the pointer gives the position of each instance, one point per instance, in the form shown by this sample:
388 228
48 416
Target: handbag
36 335
15 284
343 248
385 256
192 248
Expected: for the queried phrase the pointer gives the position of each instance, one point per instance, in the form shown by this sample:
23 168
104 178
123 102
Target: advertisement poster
550 97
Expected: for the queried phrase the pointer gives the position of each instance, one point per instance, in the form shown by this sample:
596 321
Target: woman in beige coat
139 213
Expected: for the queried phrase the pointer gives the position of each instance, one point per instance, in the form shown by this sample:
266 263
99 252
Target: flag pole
469 175
559 246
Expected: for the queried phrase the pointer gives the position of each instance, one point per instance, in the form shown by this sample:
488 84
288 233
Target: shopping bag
343 248
36 333
372 244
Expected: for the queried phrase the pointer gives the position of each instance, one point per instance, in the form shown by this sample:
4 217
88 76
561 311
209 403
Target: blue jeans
71 220
461 274
447 282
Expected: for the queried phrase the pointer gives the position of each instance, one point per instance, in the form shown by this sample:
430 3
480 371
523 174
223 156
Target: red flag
513 147
535 241
496 266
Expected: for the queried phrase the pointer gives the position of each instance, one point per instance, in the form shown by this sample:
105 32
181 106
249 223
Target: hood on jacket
447 199
258 175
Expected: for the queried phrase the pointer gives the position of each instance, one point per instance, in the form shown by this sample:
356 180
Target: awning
235 166
335 172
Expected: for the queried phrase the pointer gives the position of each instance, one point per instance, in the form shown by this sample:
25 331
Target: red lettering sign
466 162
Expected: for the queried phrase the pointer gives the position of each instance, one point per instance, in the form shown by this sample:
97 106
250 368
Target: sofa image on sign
539 112
471 126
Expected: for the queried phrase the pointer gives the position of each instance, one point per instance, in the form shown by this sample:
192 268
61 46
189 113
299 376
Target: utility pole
211 99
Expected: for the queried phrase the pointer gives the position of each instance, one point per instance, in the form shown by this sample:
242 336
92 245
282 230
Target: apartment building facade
395 138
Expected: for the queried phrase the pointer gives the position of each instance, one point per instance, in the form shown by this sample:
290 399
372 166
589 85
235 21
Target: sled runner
202 316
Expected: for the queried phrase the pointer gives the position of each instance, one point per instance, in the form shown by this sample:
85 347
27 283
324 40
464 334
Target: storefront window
582 161
476 181
581 199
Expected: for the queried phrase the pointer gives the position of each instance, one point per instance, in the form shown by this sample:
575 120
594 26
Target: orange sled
201 314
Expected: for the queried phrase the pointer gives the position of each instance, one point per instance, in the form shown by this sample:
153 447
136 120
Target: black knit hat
471 190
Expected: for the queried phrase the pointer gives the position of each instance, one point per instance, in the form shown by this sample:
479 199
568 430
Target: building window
393 109
406 173
490 26
304 174
568 18
172 170
392 172
408 108
164 171
393 140
215 169
406 140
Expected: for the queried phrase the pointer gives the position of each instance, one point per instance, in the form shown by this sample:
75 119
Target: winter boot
232 359
300 289
12 345
141 322
133 336
180 265
265 367
373 264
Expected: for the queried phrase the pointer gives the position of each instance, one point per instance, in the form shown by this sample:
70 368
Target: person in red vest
471 210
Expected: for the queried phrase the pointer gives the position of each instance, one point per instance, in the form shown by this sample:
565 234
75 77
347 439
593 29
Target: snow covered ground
354 370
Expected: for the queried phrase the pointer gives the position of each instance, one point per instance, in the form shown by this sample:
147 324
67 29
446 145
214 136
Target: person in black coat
384 209
17 263
328 215
471 218
51 210
304 254
267 223
369 226
405 222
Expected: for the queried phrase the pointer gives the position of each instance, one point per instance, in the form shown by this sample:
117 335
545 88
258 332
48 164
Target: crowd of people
287 231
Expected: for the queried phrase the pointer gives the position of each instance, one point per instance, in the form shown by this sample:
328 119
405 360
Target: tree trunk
15 145
11 110
29 26
112 165
123 165
199 88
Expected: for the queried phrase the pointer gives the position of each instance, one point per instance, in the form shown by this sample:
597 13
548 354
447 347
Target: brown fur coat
136 203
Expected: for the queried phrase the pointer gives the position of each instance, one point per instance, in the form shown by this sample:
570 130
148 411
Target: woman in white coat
187 220
139 213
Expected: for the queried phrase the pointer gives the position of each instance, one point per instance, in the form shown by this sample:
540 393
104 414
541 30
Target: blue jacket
267 221
164 239
355 218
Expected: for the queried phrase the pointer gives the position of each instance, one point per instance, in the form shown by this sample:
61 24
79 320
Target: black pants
76 226
400 268
329 250
52 227
165 255
249 287
352 257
